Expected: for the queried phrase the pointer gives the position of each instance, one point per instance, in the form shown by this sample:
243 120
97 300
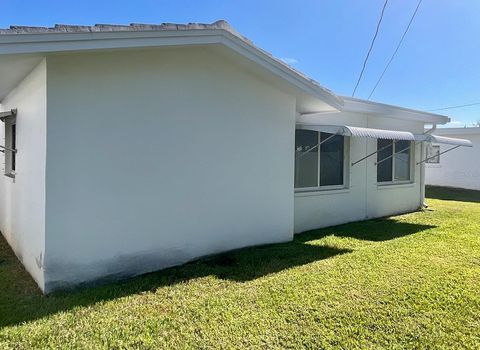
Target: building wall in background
460 167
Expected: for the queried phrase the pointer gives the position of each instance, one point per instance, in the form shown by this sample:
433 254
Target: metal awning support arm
387 158
316 146
373 153
448 150
8 149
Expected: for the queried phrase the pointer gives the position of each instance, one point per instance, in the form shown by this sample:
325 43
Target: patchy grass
410 281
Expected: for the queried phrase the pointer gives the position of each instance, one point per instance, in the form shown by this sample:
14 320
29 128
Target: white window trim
322 192
411 168
346 171
397 185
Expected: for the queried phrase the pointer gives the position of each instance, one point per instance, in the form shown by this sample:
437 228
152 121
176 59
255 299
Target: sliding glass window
393 161
319 160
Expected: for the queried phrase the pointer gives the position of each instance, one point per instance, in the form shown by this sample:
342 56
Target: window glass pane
10 143
402 160
384 169
14 144
331 160
306 164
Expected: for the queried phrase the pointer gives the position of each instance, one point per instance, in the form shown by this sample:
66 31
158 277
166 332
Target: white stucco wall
363 198
156 157
460 167
22 200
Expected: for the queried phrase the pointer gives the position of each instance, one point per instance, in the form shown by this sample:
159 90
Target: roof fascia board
389 111
60 42
66 42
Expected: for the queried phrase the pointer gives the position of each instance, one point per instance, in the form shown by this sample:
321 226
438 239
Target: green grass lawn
410 281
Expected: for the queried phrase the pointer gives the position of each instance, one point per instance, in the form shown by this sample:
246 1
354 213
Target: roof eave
44 43
375 108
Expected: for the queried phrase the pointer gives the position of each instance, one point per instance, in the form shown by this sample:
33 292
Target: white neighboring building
460 168
133 148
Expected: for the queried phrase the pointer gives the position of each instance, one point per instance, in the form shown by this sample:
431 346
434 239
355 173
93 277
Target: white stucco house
128 149
459 169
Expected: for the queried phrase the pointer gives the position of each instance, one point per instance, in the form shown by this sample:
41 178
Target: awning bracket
8 114
7 149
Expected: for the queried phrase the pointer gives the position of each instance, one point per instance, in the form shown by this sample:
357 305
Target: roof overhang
389 111
37 44
14 68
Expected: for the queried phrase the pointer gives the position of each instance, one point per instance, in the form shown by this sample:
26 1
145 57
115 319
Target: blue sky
438 64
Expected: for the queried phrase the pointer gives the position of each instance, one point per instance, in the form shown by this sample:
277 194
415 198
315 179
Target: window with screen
10 146
319 160
393 161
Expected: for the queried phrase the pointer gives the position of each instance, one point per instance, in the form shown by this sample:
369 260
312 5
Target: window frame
411 166
11 142
346 163
431 155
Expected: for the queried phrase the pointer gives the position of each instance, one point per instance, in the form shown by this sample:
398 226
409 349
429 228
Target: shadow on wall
21 301
452 194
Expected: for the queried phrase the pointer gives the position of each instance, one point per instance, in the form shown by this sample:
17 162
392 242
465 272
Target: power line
371 47
453 107
395 52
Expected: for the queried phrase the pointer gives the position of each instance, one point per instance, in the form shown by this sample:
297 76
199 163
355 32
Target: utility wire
396 50
370 49
453 107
